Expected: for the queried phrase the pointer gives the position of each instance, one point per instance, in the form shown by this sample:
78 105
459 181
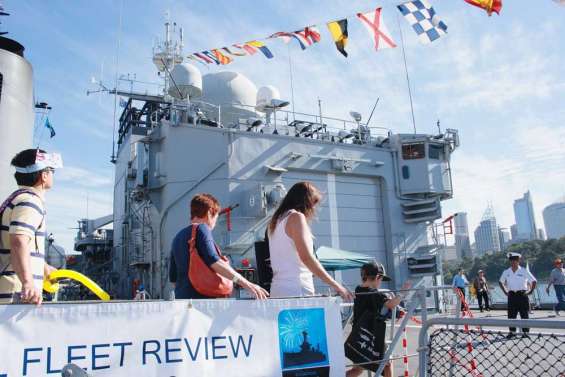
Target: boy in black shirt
369 299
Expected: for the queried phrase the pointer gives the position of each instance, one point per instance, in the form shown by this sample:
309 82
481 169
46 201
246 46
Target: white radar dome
186 79
233 92
265 95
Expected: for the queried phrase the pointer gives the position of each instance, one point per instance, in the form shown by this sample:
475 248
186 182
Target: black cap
373 269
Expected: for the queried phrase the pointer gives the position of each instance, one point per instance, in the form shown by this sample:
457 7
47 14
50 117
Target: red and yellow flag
222 58
488 5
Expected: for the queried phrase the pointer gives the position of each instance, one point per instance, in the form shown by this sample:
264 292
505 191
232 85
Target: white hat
513 255
42 161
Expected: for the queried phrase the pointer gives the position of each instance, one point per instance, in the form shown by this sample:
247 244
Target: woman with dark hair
292 248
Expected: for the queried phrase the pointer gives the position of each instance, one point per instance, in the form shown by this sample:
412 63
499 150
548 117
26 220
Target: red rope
466 311
405 349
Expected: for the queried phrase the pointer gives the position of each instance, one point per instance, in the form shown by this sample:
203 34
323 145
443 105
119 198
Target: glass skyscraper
525 220
554 219
486 234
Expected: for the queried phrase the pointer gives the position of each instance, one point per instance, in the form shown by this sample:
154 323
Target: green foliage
539 254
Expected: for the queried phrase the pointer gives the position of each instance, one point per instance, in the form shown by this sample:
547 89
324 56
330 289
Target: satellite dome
265 95
187 80
235 93
233 88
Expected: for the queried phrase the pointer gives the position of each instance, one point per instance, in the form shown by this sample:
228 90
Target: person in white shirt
517 283
557 279
291 246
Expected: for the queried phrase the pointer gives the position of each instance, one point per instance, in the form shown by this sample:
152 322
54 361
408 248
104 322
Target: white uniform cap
513 255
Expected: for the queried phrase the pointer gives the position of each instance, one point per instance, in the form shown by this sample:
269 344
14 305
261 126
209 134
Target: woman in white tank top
292 248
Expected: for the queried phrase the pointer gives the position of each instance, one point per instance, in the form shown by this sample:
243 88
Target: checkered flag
423 19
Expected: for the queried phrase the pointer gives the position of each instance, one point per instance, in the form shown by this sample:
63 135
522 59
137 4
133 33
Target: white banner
226 338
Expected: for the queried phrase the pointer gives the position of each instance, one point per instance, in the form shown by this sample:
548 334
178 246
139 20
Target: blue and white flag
423 19
49 127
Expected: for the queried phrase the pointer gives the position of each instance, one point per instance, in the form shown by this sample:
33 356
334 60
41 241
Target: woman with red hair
204 211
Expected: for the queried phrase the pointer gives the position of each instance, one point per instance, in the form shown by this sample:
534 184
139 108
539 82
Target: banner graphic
278 338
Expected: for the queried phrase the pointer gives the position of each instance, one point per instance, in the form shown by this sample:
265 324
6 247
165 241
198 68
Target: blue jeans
560 293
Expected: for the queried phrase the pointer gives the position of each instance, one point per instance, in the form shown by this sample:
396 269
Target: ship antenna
291 82
372 111
117 62
407 76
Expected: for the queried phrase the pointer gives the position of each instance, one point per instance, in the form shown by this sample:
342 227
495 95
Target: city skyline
539 229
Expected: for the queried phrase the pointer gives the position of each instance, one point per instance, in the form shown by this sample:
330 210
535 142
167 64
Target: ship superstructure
218 133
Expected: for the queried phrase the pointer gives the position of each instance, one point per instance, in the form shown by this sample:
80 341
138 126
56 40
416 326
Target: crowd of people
199 270
517 283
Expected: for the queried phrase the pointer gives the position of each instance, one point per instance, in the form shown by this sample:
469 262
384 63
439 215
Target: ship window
435 151
405 172
413 151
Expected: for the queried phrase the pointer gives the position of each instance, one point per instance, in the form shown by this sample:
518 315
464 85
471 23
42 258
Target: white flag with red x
377 29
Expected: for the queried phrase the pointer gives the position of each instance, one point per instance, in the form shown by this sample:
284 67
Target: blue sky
498 80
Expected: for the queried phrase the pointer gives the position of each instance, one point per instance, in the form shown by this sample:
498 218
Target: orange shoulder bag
205 280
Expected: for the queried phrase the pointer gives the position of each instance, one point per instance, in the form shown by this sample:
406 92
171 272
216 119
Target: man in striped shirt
22 228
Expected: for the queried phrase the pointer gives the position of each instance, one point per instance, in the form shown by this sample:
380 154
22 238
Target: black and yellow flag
338 30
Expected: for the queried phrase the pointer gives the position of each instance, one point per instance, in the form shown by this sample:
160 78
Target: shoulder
296 223
296 220
204 231
295 216
360 289
29 200
182 234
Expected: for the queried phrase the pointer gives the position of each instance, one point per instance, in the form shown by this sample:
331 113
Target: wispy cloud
538 165
77 176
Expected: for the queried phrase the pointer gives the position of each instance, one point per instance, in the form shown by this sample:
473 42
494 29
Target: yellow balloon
50 284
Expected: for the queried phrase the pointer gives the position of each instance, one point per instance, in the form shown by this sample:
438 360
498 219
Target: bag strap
192 241
9 201
13 196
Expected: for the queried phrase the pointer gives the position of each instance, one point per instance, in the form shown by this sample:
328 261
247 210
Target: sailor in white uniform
517 283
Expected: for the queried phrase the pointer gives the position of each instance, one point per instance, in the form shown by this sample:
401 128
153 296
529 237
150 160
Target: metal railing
452 351
454 354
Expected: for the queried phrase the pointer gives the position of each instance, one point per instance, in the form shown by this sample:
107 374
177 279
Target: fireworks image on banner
291 326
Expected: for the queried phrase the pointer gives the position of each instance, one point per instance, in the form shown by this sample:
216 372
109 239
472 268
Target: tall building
462 242
486 234
503 237
554 219
514 232
525 219
541 234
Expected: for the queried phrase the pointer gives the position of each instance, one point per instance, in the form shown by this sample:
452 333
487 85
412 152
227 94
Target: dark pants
483 295
462 290
518 302
560 293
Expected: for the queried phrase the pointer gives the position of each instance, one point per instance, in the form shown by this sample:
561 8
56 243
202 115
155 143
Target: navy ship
221 134
307 354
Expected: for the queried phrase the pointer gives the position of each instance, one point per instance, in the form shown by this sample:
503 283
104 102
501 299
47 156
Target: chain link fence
459 352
